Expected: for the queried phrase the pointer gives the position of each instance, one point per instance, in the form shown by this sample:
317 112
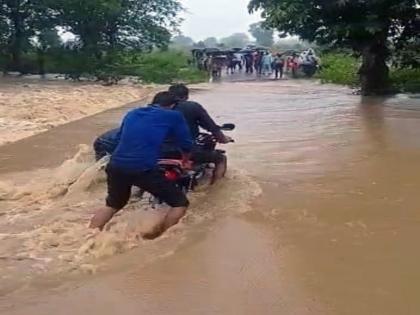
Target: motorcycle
188 180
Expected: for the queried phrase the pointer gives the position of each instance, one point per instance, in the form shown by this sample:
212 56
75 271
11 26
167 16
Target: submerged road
332 229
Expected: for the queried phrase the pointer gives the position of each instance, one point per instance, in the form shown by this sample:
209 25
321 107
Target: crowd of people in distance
261 62
266 63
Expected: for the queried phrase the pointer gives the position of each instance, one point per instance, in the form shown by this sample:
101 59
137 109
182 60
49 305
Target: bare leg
220 170
102 217
172 218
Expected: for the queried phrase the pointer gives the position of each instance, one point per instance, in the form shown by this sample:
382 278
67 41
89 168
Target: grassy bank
406 80
340 68
154 67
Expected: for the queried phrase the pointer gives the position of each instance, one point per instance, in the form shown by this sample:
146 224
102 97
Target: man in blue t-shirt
134 161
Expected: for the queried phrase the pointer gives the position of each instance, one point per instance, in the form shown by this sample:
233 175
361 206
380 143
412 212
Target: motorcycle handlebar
227 127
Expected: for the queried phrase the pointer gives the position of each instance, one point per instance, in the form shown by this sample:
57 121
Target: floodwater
319 215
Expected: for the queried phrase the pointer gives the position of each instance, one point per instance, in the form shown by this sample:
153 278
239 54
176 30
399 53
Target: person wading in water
134 162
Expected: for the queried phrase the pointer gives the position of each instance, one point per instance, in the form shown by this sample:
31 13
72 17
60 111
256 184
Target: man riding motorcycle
196 117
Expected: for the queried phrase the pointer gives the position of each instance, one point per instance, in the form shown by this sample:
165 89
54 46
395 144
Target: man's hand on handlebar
225 139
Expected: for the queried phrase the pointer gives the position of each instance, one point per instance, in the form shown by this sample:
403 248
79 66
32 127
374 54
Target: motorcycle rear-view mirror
227 127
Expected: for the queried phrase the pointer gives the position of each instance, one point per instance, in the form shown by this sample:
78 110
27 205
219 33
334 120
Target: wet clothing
249 62
278 65
267 61
134 161
106 143
278 70
153 181
143 132
196 117
258 63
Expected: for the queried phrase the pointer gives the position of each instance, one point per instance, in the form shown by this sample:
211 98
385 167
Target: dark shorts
121 181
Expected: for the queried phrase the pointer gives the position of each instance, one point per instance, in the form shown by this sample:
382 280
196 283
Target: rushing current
319 214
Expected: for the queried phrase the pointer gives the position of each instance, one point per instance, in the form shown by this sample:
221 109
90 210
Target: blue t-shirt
141 136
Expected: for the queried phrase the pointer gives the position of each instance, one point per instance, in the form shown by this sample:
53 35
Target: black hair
164 99
180 91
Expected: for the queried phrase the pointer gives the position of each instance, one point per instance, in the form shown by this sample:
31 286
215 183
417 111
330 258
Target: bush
153 67
158 67
72 63
339 68
406 80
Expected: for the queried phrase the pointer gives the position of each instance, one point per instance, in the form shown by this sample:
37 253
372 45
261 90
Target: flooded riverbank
318 215
29 106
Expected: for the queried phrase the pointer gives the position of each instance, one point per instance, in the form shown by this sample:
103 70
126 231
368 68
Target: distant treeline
101 38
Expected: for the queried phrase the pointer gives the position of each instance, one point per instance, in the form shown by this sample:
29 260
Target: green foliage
339 68
408 54
262 34
339 22
113 38
111 24
342 68
101 26
406 80
72 63
367 27
165 67
154 67
19 20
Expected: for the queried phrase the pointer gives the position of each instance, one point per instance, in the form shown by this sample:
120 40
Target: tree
408 55
182 41
365 26
104 30
103 25
291 43
200 45
18 22
237 40
46 40
211 42
262 34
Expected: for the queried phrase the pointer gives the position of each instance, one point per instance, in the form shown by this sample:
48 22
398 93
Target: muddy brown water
48 149
333 231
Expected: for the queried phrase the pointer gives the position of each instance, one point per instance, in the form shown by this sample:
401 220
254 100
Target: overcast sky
218 18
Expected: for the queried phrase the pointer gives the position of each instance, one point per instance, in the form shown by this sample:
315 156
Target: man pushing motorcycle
196 116
134 161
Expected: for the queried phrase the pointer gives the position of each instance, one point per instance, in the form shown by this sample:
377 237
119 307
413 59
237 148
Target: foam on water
44 220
